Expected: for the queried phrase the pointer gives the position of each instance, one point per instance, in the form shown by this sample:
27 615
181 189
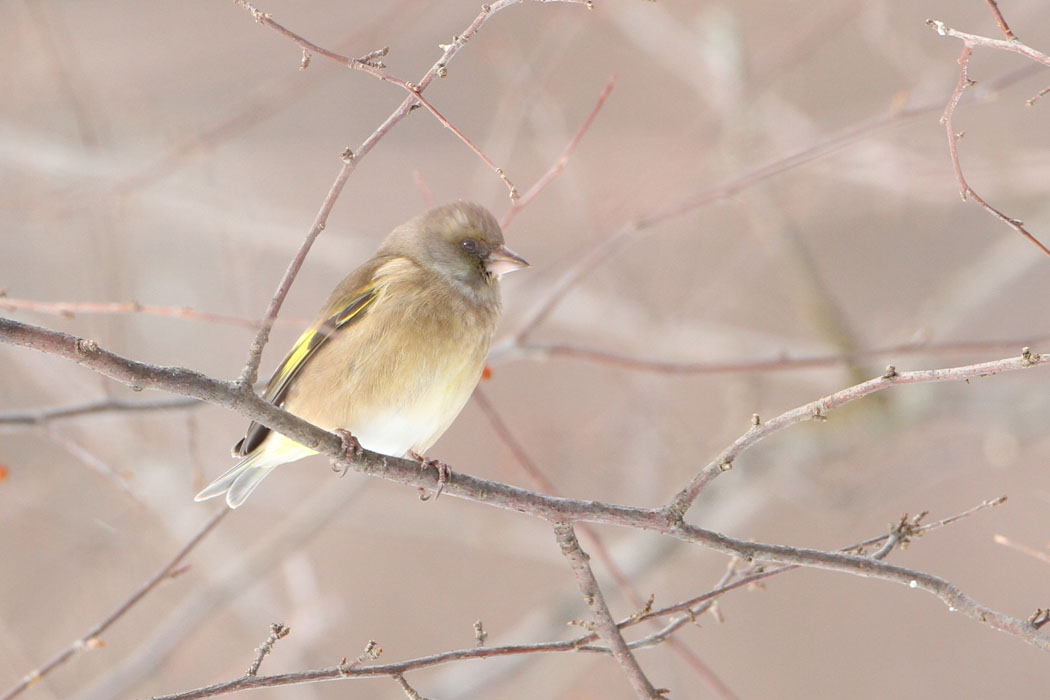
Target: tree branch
583 643
819 409
604 625
1010 44
556 169
667 520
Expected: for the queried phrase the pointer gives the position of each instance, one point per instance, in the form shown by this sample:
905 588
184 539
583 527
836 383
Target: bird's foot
443 472
351 449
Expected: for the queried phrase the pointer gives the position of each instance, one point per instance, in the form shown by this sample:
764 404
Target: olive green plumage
397 349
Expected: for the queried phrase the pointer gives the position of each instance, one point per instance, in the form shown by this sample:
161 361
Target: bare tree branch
818 410
583 643
603 622
1010 44
667 520
277 633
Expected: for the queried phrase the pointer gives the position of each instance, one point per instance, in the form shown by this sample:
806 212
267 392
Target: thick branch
555 510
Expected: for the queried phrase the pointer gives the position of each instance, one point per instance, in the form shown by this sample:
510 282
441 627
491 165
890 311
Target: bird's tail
239 482
246 475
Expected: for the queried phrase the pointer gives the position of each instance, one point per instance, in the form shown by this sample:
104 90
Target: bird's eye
470 245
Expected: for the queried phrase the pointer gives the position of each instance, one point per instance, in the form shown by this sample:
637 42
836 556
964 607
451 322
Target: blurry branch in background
424 189
93 461
614 242
92 640
1024 549
736 577
268 100
778 363
46 415
667 520
1012 44
68 309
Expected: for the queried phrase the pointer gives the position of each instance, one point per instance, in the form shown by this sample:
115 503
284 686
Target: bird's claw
350 450
443 473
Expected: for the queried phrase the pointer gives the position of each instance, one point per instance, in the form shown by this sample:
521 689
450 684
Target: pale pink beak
502 260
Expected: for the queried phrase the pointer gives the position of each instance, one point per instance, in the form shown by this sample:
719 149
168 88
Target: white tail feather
246 475
239 481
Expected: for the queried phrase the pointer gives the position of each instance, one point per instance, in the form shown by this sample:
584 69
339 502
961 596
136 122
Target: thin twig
559 165
277 632
1007 32
1031 100
700 604
410 692
1011 45
604 625
367 65
92 640
969 41
818 410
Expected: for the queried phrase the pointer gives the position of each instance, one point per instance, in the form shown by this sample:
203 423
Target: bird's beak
502 260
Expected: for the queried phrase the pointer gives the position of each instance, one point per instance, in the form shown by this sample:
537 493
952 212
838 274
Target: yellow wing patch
301 352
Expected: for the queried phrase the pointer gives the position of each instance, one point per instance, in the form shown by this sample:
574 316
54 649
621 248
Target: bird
396 350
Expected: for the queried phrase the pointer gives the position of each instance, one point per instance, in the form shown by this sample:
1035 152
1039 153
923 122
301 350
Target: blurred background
796 200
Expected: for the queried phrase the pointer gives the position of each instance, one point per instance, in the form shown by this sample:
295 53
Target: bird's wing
347 311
